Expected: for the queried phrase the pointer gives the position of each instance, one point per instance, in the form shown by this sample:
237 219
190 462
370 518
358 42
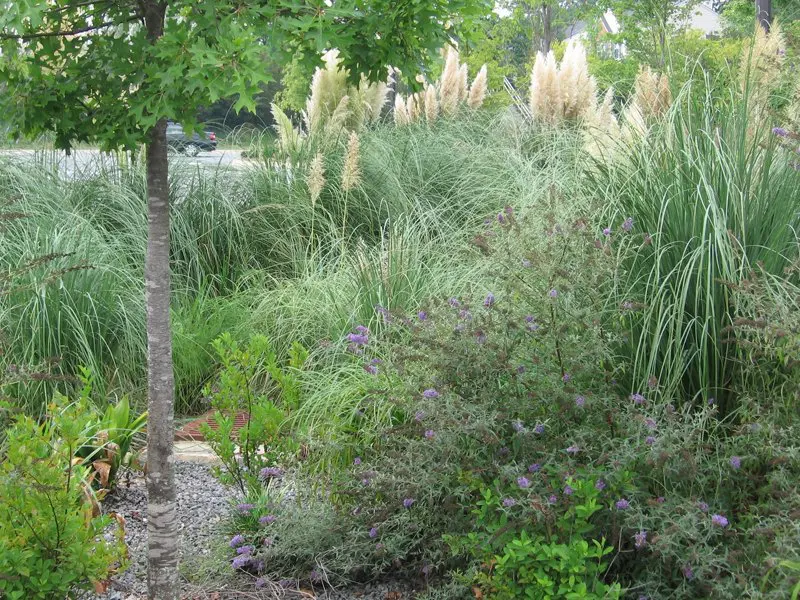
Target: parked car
178 140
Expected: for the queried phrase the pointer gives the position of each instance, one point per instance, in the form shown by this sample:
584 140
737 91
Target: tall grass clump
711 198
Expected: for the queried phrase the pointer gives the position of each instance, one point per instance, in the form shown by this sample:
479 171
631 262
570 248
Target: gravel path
203 504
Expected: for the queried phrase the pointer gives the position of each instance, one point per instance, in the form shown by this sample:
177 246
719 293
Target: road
83 163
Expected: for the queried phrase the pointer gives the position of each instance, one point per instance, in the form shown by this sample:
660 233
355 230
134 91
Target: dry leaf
100 587
478 593
103 469
394 596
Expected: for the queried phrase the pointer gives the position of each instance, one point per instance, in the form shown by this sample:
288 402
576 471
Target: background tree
113 73
545 22
648 25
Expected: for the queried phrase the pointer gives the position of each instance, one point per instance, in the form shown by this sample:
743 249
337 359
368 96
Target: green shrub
252 453
559 563
51 539
514 395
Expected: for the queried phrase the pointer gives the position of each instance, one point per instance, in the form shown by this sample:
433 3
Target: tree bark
547 27
764 14
162 525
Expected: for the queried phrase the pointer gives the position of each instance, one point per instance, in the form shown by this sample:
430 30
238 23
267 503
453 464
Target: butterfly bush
475 441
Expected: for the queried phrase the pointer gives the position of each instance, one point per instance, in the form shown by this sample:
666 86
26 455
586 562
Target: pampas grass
477 92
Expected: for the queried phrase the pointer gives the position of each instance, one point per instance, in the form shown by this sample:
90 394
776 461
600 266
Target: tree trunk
547 28
764 14
162 525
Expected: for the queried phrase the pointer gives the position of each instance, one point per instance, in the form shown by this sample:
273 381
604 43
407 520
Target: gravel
203 504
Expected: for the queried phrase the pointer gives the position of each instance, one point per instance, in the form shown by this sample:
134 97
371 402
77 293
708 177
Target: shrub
253 452
504 415
52 539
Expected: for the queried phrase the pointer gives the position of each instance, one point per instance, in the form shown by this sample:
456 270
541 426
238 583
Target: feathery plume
477 92
351 172
401 116
763 58
339 117
545 94
416 107
431 104
578 88
463 83
602 129
315 178
450 86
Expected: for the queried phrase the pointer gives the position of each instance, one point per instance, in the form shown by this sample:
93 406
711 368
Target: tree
545 20
648 25
113 72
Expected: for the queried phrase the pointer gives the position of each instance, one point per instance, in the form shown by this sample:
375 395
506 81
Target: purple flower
607 231
371 369
260 583
454 302
422 315
566 377
240 561
554 293
518 426
315 576
501 218
534 468
552 499
600 485
640 539
780 131
245 549
408 502
650 440
719 520
627 224
530 318
523 482
419 416
286 583
687 571
650 423
267 519
366 481
539 428
702 506
357 460
245 508
267 472
526 263
521 369
661 499
489 301
637 398
568 490
580 401
573 450
430 434
373 533
357 339
623 504
736 462
430 393
509 502
237 541
464 314
361 329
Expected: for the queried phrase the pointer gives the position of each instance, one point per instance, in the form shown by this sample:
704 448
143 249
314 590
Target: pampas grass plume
351 172
477 92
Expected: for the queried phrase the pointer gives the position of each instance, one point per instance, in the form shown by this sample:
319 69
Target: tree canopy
87 71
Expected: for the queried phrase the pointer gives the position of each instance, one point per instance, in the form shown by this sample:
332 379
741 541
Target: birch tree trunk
162 525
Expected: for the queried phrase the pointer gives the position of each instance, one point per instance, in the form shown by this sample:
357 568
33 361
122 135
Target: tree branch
61 33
